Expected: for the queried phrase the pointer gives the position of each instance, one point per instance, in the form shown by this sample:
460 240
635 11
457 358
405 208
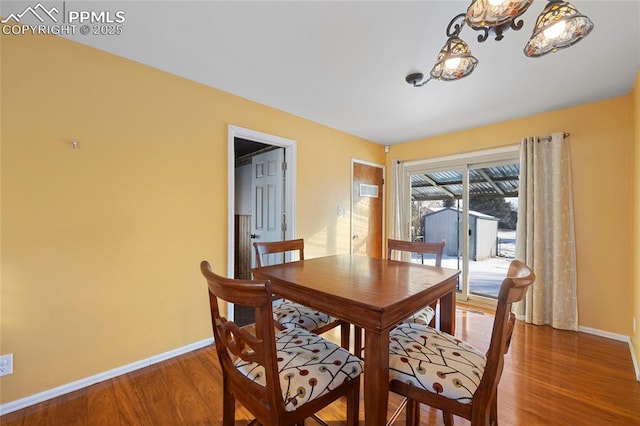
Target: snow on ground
485 276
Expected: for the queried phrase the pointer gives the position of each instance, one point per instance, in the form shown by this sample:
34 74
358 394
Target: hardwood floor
551 377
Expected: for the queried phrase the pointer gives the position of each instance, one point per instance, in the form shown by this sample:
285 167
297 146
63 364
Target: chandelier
560 25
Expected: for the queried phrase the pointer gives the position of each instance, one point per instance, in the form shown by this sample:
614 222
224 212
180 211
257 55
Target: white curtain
545 232
398 216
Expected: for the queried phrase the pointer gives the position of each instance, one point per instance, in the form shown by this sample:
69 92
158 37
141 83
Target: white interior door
268 222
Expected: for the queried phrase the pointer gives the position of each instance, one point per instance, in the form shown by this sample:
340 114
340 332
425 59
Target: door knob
253 236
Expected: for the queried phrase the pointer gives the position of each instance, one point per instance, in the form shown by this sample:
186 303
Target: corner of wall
635 339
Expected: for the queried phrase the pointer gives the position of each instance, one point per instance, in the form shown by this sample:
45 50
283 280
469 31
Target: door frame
384 194
290 155
464 162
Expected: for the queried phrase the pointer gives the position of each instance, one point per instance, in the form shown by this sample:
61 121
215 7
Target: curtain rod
547 138
544 138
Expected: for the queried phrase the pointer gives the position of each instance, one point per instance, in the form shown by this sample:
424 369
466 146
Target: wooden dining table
371 293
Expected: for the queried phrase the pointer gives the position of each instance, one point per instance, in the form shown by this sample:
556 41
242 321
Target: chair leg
412 413
448 418
357 341
353 403
345 329
493 414
228 407
434 306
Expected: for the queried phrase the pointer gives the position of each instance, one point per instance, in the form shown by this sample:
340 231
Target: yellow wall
101 245
635 339
602 163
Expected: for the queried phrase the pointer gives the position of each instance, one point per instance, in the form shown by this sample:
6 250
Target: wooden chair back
257 343
422 248
417 247
272 247
263 249
513 289
483 409
233 342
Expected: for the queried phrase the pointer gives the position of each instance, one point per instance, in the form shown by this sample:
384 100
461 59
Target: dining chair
432 367
427 314
290 314
281 377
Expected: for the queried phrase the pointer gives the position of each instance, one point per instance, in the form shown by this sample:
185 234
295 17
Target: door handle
253 236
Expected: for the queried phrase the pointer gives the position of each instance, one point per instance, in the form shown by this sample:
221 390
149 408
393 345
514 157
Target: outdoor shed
446 224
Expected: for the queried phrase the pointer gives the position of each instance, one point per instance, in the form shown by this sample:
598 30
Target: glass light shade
455 61
488 14
559 25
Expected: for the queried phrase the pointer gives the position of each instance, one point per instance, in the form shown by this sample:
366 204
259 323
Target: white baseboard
602 333
88 381
634 358
620 337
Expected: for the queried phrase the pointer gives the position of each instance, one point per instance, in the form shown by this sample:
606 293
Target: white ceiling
343 63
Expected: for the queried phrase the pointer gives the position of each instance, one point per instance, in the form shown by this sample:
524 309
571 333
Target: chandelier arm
422 83
457 27
483 37
517 25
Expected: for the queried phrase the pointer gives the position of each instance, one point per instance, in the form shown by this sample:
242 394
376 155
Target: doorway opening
261 200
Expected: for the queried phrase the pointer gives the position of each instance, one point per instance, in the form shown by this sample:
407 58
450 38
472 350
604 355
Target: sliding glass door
471 203
437 213
492 217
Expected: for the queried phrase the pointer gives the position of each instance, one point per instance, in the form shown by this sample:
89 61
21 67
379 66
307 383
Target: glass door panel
473 207
493 214
436 213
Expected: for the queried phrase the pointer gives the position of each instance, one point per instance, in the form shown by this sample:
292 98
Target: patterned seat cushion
309 366
294 315
435 361
423 316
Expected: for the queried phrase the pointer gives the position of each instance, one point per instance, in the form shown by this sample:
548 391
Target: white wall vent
367 190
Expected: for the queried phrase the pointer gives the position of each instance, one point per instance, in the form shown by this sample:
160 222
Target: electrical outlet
6 365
